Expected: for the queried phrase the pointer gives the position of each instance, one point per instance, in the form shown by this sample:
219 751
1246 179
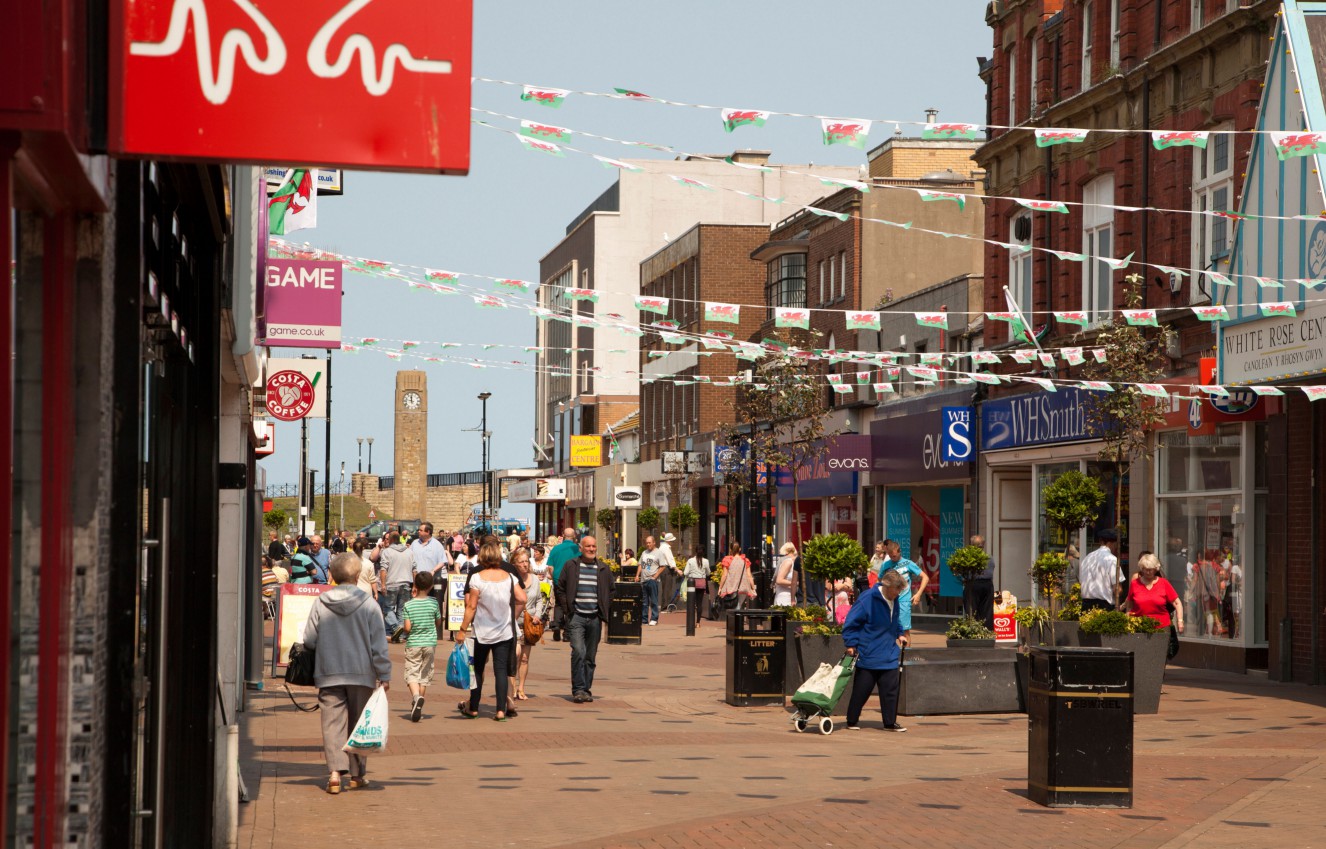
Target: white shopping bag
370 732
822 681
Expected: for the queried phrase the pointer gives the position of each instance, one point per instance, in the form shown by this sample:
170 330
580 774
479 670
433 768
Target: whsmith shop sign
1040 418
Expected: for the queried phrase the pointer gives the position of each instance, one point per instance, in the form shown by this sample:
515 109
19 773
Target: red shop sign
374 84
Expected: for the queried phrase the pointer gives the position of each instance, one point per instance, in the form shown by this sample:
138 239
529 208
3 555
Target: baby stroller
821 693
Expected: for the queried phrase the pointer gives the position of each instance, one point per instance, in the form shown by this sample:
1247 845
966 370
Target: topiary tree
275 518
606 519
649 519
833 557
682 518
1073 501
968 562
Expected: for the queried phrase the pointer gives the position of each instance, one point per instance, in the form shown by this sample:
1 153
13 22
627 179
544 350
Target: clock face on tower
411 400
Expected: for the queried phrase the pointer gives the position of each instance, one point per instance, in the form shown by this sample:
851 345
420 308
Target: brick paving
659 760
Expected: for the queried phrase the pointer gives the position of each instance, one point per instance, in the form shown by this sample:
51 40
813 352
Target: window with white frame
825 294
1087 33
1019 263
833 280
1116 34
842 274
1212 191
1098 244
1198 18
1031 77
1013 84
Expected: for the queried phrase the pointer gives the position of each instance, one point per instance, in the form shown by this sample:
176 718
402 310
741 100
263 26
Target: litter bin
1080 728
624 615
756 656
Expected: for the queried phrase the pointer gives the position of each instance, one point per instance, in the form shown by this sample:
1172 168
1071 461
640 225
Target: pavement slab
660 760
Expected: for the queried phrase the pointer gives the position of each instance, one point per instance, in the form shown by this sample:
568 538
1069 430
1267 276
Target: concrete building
588 365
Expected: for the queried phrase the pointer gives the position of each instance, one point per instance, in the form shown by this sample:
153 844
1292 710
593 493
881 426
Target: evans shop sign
1040 418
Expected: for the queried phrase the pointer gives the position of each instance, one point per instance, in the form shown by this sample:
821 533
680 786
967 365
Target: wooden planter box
1148 651
960 680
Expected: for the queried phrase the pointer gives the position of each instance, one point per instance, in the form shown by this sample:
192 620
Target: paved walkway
659 760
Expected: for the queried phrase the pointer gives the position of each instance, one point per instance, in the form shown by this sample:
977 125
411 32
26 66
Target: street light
360 440
341 524
370 455
483 428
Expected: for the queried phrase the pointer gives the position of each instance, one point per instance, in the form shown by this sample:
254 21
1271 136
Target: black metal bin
624 617
756 656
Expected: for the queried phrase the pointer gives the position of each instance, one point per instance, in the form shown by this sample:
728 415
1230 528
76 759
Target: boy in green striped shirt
420 618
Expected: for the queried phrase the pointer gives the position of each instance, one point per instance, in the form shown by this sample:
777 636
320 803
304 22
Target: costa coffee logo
849 463
290 396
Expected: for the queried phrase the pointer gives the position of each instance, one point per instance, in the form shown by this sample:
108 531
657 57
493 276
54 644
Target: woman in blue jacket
874 635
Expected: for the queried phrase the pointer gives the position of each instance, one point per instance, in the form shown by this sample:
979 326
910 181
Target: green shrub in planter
1116 623
649 519
968 562
968 628
809 613
1073 501
833 557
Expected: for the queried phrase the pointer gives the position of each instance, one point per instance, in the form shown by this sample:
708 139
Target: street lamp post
341 524
483 428
360 440
370 455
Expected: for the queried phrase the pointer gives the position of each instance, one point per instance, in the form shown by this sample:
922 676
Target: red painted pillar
8 145
57 408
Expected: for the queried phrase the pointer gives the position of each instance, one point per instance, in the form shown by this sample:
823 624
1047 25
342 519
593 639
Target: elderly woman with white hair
785 576
874 635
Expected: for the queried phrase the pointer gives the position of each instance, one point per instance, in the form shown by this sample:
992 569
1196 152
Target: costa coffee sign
376 84
290 396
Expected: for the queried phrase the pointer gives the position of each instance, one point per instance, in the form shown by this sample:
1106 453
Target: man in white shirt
1100 575
653 561
430 555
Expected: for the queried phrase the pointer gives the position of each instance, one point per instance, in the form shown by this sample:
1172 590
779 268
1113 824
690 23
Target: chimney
931 114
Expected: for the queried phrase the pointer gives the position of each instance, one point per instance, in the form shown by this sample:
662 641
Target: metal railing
443 479
291 490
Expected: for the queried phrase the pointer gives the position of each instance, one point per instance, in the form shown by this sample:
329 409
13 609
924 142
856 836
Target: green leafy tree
833 557
1125 418
649 519
968 562
275 518
682 518
1073 501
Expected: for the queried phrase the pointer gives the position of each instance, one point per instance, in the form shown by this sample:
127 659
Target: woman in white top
536 605
368 573
488 610
877 559
539 563
784 581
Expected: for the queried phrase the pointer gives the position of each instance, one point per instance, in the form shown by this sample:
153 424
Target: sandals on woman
333 787
465 711
359 782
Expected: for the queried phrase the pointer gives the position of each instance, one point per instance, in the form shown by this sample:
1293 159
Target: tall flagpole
1031 331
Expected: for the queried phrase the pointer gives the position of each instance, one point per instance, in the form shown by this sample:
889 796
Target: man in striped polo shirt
586 584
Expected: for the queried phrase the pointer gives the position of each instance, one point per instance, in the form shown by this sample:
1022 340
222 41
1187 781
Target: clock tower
411 456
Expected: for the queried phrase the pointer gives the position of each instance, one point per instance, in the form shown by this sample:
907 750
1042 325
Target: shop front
579 512
820 496
1026 442
916 497
547 496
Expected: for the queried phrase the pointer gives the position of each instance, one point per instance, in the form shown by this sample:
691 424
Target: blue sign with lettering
951 508
1038 418
956 443
898 519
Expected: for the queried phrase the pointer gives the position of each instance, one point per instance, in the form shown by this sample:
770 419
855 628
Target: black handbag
299 672
1173 643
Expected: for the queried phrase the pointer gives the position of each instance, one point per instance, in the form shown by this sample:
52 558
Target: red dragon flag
850 132
294 205
1162 139
733 118
550 97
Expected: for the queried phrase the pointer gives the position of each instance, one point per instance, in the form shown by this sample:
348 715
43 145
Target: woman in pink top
1149 594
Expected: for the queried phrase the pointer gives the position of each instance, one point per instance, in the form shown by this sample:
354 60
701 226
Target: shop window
1087 10
1020 264
1191 463
1116 35
1032 76
1098 244
1013 84
786 284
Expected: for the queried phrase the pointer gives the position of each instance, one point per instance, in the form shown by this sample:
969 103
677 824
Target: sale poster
1005 623
294 603
455 602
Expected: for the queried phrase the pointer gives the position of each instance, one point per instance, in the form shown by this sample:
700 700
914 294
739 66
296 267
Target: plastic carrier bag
370 734
458 668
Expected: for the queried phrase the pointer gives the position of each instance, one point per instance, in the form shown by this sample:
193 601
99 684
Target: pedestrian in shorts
421 618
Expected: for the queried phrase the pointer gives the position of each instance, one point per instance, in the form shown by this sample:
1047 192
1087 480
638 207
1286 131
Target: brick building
1108 66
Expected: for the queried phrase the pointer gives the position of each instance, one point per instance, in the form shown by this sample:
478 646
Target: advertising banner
627 497
898 519
536 490
316 373
293 603
455 602
1005 625
908 450
586 451
951 531
956 445
302 304
383 85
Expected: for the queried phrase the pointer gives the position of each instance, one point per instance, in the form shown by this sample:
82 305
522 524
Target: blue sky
851 58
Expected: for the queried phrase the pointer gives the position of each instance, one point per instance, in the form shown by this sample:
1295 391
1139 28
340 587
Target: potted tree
606 519
1072 502
1140 636
967 563
648 519
969 633
683 517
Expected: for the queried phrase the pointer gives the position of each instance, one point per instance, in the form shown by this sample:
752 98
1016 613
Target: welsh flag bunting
862 320
1289 145
852 133
441 276
792 317
1117 264
835 378
294 204
1048 137
490 301
984 377
711 344
749 166
985 358
727 313
654 305
369 340
517 285
349 349
963 380
883 389
551 97
368 266
446 345
582 295
1023 356
405 346
1266 390
1278 308
723 335
541 147
864 188
1218 279
932 319
922 372
1073 356
544 132
824 213
1046 358
951 131
667 324
1311 284
863 377
632 94
840 389
1099 355
1216 313
1096 385
928 195
1155 390
1043 205
733 118
1314 393
1069 255
1047 385
1169 269
1071 317
694 184
617 163
1161 139
932 359
1268 283
1217 391
393 355
1140 318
